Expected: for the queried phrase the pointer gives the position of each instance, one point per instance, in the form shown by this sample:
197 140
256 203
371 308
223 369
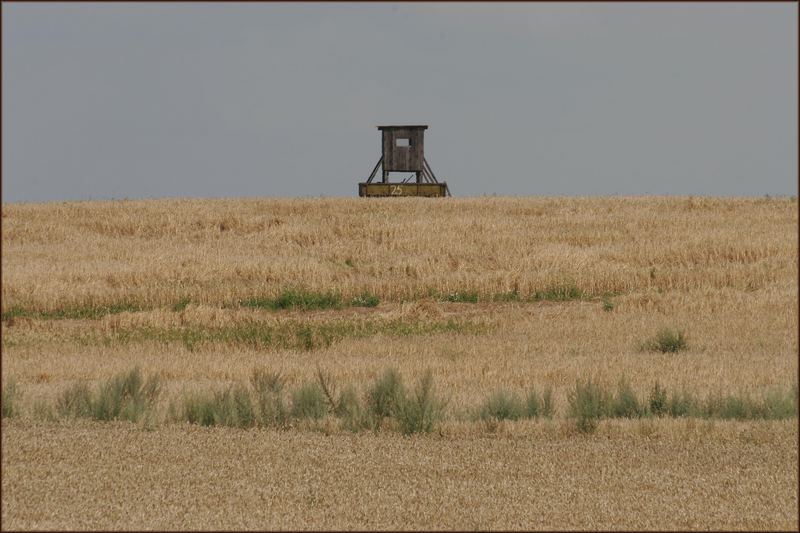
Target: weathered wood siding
403 158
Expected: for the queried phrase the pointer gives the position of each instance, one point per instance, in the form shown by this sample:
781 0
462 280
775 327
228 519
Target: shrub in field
422 409
658 400
779 405
682 404
539 405
608 305
625 404
272 410
75 401
231 407
502 405
199 408
588 402
666 341
126 396
385 394
350 410
308 401
345 406
548 406
9 405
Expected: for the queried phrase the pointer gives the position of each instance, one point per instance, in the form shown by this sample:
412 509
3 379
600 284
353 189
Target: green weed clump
350 410
774 405
9 401
385 395
625 404
126 396
588 403
462 297
75 401
272 409
230 407
89 312
558 294
666 341
509 296
292 298
539 405
308 401
421 410
504 405
658 400
365 299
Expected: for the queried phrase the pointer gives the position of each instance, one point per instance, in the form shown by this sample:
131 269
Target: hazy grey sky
229 100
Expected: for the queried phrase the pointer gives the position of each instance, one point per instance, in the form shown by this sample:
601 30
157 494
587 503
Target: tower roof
395 127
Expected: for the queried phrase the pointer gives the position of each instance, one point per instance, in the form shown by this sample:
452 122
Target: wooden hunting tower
403 150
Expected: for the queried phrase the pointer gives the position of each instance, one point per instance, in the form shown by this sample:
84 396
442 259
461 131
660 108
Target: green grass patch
666 340
272 408
503 405
509 296
421 409
126 396
75 313
181 304
308 401
558 294
299 335
365 299
461 297
295 299
9 406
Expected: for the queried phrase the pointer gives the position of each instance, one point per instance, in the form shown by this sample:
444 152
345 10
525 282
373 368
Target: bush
658 400
587 404
420 412
533 404
384 396
666 341
272 410
231 407
548 407
309 402
625 404
9 405
351 412
126 396
199 408
75 401
779 405
682 404
503 405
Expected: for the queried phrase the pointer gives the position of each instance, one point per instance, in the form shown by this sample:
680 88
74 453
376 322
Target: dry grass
153 253
673 476
156 284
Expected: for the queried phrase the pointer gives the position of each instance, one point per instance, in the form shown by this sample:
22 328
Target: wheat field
485 293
